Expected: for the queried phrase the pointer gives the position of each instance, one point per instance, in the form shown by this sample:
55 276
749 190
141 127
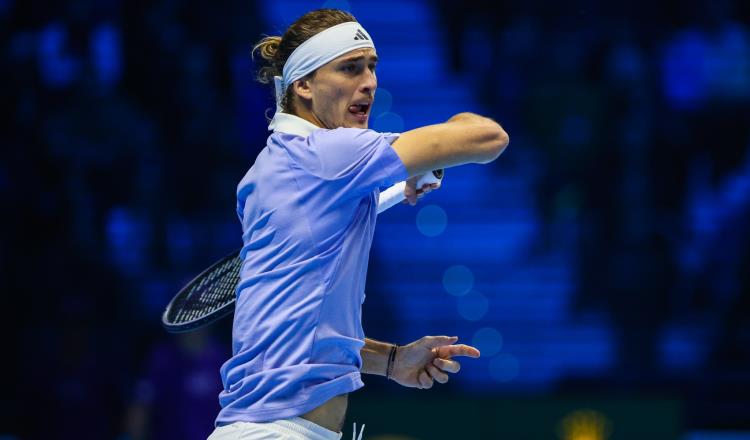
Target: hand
412 193
428 359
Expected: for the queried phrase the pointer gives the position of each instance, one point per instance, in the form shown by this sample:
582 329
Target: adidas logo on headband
360 35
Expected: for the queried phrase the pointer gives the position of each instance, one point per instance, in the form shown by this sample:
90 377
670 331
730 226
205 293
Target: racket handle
395 194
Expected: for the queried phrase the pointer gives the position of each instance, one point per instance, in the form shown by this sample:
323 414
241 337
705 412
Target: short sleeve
361 160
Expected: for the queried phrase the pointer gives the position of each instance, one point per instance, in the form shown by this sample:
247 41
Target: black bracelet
391 358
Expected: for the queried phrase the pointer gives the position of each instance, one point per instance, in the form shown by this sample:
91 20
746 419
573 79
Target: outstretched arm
464 138
419 364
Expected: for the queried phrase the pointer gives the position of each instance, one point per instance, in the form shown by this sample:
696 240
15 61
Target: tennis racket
211 295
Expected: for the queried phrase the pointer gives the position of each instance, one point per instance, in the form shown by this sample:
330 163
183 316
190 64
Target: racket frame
215 315
392 195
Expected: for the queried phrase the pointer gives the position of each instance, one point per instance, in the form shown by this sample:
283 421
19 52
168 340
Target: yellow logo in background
585 425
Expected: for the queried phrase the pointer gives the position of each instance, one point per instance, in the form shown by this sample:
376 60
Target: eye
349 68
373 66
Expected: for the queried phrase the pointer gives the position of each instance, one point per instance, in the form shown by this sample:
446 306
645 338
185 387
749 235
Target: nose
370 83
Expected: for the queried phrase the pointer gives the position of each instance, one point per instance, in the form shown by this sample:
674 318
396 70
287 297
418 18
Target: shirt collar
291 124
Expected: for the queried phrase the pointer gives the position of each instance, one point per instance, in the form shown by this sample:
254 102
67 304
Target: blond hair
274 50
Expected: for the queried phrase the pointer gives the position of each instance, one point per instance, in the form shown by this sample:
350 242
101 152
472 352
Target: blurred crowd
122 149
639 116
129 124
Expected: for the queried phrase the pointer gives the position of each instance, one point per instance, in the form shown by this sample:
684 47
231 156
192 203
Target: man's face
342 91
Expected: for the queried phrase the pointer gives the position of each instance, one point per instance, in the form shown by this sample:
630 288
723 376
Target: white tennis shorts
295 428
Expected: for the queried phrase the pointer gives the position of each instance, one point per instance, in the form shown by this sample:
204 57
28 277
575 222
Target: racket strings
212 292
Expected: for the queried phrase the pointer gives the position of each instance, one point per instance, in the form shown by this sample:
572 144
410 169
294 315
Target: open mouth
359 109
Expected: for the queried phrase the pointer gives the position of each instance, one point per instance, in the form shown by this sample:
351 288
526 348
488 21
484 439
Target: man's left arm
417 364
375 357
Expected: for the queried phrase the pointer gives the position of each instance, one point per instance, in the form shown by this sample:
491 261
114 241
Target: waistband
308 429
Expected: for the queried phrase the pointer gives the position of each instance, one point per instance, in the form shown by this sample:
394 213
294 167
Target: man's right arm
464 138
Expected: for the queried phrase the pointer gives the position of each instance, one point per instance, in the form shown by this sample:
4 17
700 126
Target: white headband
317 51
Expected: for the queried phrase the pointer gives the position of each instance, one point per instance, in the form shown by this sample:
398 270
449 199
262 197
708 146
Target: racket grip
395 194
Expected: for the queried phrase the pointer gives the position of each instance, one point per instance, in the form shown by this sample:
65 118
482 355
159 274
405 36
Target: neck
306 113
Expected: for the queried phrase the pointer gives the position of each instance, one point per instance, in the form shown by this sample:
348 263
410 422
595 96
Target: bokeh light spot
488 341
388 122
458 280
383 102
431 220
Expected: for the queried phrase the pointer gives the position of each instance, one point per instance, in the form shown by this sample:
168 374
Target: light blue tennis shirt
308 208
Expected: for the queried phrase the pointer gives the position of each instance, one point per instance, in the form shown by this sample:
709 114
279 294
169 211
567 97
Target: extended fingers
439 367
447 365
458 350
437 374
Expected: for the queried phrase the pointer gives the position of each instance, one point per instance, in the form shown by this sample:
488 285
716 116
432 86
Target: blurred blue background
601 264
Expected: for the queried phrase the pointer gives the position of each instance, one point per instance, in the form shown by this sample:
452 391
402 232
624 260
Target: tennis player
308 207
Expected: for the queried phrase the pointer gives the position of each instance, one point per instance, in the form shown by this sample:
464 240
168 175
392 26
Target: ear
302 88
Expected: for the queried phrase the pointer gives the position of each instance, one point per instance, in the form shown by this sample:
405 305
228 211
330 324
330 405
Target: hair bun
274 51
268 49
